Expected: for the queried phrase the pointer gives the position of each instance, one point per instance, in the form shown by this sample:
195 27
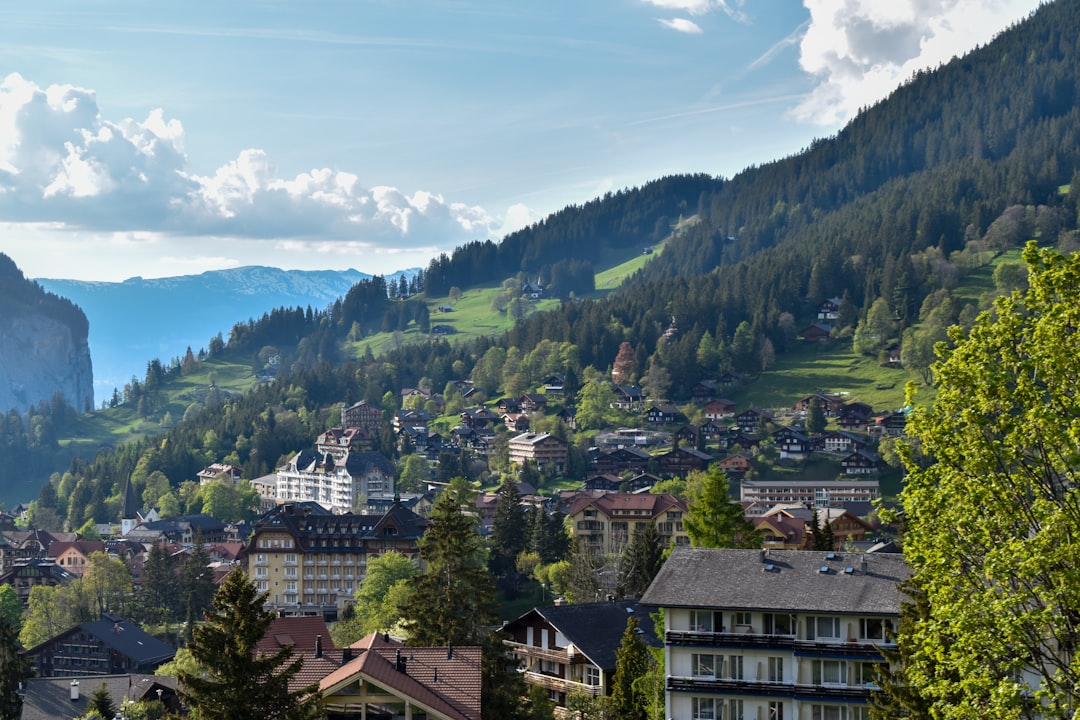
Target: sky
158 139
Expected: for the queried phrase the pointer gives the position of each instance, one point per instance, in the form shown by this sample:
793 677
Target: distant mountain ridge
139 319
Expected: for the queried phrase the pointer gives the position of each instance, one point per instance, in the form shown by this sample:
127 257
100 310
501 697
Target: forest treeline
957 166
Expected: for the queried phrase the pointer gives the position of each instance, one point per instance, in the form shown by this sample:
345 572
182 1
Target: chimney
862 566
346 655
74 691
450 652
318 646
399 662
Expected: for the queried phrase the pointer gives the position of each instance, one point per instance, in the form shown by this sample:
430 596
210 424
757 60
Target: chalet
479 417
729 380
663 414
680 461
442 330
606 522
25 575
508 405
830 403
554 385
418 436
793 445
782 532
829 309
891 423
516 422
840 442
750 421
710 430
735 465
540 448
845 526
704 391
719 408
641 482
816 333
855 417
737 439
571 649
622 460
532 291
219 471
687 433
603 482
628 397
108 646
362 415
569 416
33 544
861 462
75 556
893 357
532 402
412 418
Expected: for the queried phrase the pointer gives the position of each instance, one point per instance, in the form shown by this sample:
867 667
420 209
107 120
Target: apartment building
774 634
820 493
311 561
541 448
607 522
336 484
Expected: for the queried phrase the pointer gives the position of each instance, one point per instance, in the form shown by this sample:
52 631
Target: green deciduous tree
387 581
10 606
238 683
712 519
994 520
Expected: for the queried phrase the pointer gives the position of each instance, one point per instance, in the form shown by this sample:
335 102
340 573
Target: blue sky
160 139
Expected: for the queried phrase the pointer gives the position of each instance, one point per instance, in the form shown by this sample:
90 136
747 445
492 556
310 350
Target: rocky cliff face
43 346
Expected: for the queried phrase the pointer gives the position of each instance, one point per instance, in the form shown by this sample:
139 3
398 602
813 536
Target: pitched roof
596 629
298 631
123 636
738 579
50 698
446 681
610 503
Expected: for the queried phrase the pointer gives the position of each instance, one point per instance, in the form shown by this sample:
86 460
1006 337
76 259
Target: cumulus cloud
61 162
682 25
861 50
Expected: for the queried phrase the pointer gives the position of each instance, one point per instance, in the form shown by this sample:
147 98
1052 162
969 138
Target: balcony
769 689
532 651
558 684
853 649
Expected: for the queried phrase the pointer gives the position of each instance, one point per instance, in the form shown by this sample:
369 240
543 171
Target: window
779 624
290 572
743 618
735 667
865 673
829 712
592 675
776 669
830 672
876 629
701 621
709 666
735 709
703 708
776 710
261 572
822 628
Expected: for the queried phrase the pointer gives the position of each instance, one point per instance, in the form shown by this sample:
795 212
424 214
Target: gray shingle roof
596 629
738 579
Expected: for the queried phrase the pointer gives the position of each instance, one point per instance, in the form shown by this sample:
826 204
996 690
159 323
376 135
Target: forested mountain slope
889 215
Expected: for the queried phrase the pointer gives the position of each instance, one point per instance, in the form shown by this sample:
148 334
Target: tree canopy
994 517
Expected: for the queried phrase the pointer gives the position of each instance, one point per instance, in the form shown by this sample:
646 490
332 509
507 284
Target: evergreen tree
815 417
238 683
453 602
101 702
14 669
641 561
539 708
508 537
712 520
632 662
196 584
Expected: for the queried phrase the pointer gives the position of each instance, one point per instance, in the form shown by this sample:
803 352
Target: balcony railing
769 689
861 648
532 651
565 686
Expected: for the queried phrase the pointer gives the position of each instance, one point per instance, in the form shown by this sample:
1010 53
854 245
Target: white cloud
61 162
682 25
702 7
861 50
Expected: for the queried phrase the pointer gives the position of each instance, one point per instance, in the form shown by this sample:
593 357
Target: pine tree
453 602
14 669
101 702
815 417
196 584
507 529
641 561
157 594
631 662
712 520
238 683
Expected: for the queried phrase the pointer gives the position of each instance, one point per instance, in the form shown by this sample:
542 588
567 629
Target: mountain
137 320
43 346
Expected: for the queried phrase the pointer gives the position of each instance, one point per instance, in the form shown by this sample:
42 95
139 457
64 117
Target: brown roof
610 503
300 632
86 547
444 680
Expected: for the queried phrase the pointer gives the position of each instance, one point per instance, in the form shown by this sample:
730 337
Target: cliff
43 346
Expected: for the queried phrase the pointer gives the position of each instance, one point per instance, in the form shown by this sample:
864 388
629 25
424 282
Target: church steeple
129 511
